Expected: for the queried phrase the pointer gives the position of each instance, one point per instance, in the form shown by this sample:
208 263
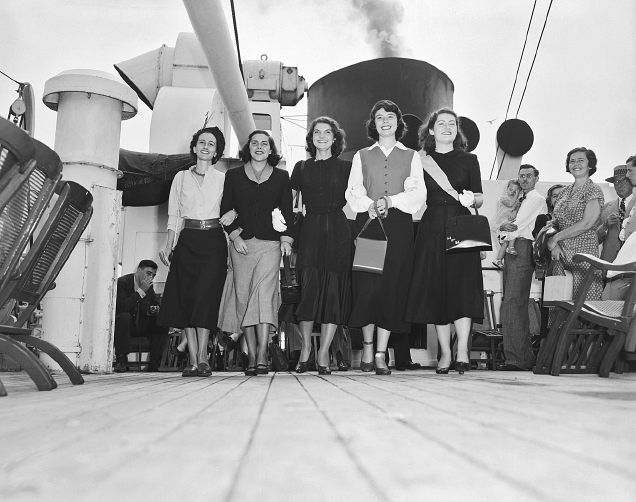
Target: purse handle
287 270
375 204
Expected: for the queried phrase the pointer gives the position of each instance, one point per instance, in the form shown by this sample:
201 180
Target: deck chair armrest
602 264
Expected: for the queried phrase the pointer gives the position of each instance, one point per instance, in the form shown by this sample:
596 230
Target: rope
19 83
513 87
236 37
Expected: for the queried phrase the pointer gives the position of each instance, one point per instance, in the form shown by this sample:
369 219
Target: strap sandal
262 369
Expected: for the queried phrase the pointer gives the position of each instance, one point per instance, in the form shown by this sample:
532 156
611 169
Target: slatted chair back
594 332
52 247
17 153
24 208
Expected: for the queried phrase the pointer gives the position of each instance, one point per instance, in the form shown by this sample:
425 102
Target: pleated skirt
445 286
194 286
251 294
380 299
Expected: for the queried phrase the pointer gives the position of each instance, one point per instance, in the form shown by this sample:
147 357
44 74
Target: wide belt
202 224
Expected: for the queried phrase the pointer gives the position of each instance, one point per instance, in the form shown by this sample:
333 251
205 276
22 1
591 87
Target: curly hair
591 158
220 142
274 157
339 142
548 197
389 106
427 141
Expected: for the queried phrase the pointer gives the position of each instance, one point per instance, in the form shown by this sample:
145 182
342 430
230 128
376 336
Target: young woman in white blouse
198 262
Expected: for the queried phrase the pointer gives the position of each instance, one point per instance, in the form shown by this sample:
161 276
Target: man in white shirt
518 270
618 283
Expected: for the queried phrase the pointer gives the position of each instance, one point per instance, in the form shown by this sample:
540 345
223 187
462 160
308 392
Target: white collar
398 144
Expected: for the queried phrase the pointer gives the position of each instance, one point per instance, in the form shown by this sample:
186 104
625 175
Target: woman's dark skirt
380 299
445 286
195 282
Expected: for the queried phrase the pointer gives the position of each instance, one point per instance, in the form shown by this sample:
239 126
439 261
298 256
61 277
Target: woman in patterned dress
576 216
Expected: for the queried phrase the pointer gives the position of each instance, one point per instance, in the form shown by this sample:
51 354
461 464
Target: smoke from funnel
382 20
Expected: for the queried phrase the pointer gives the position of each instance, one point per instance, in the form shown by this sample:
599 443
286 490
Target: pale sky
582 91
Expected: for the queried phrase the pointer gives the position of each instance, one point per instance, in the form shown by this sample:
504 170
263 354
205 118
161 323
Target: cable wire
10 78
236 37
514 85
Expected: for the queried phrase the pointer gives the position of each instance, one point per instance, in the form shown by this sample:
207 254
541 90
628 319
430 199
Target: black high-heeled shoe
262 369
251 371
441 371
342 366
367 367
303 366
461 367
324 370
381 367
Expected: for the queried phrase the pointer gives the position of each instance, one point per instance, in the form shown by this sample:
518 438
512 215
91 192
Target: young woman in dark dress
198 264
389 174
446 287
324 248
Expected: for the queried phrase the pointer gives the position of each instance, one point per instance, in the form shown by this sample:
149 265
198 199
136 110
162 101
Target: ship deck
349 436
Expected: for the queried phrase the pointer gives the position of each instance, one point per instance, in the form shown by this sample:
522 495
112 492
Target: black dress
445 286
325 245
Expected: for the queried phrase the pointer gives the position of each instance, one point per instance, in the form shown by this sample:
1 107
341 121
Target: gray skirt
251 292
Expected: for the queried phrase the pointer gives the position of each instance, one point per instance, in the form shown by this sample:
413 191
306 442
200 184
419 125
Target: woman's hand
228 218
467 198
239 245
372 213
285 248
553 242
382 207
556 251
164 256
278 221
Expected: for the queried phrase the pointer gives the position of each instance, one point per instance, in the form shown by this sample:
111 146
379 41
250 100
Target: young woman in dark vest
390 175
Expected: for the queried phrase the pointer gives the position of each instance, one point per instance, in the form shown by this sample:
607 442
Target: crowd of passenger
227 234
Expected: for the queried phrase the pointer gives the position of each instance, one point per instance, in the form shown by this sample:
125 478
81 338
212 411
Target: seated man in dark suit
136 315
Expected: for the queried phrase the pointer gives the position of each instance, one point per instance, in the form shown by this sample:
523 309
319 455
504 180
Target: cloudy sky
582 90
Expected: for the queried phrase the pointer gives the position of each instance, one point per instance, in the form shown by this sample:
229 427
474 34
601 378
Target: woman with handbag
323 265
576 216
198 262
255 191
446 287
385 188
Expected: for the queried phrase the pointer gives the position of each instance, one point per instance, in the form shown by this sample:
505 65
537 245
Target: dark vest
385 175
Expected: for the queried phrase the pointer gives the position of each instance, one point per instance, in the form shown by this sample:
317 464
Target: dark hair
339 142
427 141
529 166
274 157
389 106
147 264
631 160
591 158
220 142
548 197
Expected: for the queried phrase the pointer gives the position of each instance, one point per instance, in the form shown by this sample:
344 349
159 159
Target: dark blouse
255 202
463 172
324 183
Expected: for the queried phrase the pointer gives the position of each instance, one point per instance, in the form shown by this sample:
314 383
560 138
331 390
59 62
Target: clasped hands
383 208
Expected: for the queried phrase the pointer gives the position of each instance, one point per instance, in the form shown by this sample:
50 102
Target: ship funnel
147 73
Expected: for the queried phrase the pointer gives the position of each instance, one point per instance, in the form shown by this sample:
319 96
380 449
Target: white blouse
409 201
190 199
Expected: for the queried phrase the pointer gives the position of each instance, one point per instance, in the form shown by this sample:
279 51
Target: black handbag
289 288
278 357
370 253
298 214
470 232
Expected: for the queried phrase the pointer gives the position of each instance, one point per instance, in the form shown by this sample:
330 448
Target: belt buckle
202 224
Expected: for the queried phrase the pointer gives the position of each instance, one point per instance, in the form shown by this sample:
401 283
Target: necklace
197 172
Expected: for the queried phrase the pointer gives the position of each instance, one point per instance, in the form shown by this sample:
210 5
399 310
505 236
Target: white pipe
209 23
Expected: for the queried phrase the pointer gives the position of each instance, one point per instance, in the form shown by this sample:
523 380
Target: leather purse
289 288
370 253
468 233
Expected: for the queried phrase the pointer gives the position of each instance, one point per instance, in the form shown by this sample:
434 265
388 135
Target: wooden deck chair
487 337
17 154
587 336
36 275
22 211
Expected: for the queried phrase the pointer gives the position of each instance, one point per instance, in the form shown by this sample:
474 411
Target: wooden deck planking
483 436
